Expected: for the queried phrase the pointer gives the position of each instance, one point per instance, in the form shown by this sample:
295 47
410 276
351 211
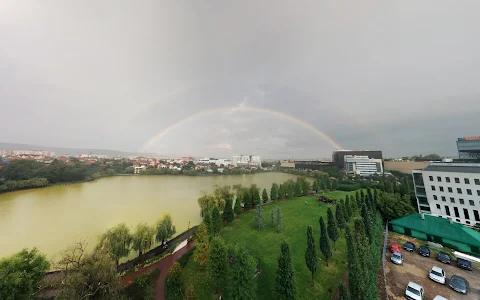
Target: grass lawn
265 245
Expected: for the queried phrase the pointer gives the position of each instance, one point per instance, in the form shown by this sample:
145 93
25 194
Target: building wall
338 157
469 148
404 166
446 199
362 165
287 164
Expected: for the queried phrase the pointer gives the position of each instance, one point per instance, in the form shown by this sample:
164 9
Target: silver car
397 258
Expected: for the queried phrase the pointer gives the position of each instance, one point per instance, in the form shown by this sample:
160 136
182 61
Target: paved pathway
164 265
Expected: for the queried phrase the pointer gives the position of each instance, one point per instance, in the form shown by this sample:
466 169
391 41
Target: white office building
362 165
246 161
449 190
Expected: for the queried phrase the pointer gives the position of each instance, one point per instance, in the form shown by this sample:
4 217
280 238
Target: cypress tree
339 216
375 196
216 221
237 208
207 219
332 227
272 217
305 187
348 208
281 192
354 280
324 243
367 222
274 192
315 186
264 196
218 263
255 194
311 253
247 199
298 189
328 183
362 195
259 217
241 284
279 219
323 185
357 198
344 295
228 211
284 281
363 257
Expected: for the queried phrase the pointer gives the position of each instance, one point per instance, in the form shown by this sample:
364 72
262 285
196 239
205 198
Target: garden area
264 245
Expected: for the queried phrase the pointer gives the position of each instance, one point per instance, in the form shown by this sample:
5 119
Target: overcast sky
398 76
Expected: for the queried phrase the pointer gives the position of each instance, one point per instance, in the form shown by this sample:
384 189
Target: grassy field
265 245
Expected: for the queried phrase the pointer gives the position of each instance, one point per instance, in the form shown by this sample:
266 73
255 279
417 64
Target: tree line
23 174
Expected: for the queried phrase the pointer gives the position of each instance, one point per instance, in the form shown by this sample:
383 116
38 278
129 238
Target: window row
452 200
457 213
457 180
450 190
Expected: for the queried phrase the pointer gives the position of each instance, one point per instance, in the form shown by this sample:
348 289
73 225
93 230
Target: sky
280 79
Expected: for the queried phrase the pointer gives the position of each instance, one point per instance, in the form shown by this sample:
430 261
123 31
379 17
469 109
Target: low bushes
143 287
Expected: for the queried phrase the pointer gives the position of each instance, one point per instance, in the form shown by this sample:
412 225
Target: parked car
464 264
444 258
437 274
459 284
424 251
395 248
439 298
409 246
414 291
397 258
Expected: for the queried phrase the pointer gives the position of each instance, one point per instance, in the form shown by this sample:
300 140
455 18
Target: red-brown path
164 265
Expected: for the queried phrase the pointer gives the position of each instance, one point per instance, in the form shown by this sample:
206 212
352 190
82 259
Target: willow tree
164 228
117 241
142 238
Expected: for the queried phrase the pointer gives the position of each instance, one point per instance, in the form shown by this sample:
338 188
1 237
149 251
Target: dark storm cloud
397 76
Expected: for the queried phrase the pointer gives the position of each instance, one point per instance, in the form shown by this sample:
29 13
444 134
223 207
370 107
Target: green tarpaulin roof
440 227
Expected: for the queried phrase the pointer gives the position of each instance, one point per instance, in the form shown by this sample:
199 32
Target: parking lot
415 268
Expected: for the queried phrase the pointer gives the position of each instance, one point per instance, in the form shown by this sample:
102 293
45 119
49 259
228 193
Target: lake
54 217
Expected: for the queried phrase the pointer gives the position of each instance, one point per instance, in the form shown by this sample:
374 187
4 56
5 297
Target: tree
311 253
284 281
88 276
117 241
328 183
207 220
289 188
357 198
332 227
279 219
281 192
247 199
238 207
272 217
343 207
315 186
274 192
206 203
241 283
394 206
259 217
264 196
339 216
173 283
335 184
348 208
305 186
344 295
142 238
216 221
354 279
298 189
164 229
255 194
21 273
228 211
202 248
218 263
324 243
323 185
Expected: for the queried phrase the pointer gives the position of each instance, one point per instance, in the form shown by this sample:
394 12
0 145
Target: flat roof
453 167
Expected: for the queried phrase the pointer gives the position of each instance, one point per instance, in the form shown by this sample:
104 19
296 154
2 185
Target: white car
437 274
414 291
439 298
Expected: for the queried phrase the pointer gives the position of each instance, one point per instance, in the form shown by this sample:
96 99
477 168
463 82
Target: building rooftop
453 167
440 227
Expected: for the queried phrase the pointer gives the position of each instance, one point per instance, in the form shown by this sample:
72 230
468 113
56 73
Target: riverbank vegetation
25 174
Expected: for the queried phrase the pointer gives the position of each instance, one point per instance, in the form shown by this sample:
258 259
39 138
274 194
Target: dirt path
164 265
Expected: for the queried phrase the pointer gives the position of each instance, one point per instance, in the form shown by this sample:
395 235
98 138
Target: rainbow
242 107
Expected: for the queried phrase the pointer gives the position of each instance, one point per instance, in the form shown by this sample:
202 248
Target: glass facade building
469 147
